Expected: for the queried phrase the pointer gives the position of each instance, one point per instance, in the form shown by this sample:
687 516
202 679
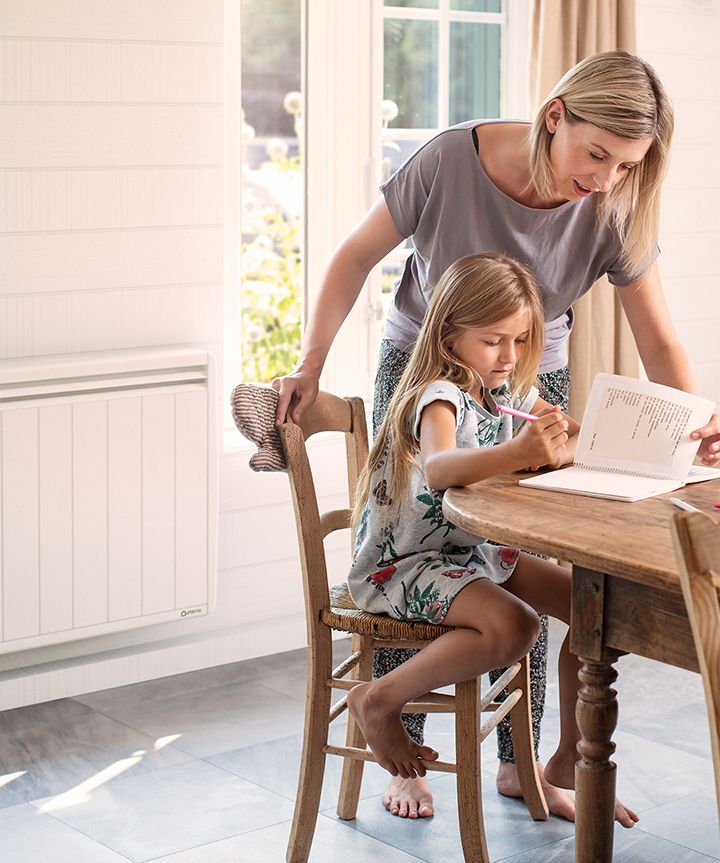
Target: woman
573 196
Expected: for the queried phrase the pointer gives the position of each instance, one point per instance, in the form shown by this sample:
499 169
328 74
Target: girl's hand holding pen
541 441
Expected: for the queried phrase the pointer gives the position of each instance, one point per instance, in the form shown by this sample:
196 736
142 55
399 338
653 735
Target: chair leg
469 786
312 765
522 738
353 769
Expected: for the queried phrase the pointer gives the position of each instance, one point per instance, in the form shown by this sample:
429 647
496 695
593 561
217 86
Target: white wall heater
108 493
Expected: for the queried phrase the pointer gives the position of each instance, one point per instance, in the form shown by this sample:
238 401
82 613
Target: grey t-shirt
443 199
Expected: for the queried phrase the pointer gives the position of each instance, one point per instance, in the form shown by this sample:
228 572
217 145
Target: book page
639 426
578 480
700 473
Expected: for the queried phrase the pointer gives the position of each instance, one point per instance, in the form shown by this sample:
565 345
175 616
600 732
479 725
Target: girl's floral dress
410 562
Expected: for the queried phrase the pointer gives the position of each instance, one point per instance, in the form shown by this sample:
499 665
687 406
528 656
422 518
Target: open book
634 442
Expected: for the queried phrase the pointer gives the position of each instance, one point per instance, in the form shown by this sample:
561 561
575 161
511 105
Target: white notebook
634 442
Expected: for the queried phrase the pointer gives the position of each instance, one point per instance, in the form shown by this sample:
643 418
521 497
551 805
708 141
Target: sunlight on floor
162 742
81 793
8 777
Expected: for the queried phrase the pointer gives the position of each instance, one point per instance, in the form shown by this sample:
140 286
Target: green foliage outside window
272 290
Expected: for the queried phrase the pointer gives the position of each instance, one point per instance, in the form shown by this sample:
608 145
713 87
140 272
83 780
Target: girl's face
585 159
494 350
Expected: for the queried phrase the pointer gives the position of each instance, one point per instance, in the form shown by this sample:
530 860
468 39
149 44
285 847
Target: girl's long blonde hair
621 94
476 291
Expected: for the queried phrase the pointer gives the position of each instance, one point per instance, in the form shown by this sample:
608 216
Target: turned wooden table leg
596 713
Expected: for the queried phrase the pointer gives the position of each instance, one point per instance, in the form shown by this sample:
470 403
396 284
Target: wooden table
626 599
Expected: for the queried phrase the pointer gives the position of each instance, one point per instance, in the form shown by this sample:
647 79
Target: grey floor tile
631 846
643 685
279 669
246 720
509 827
171 810
55 757
649 774
275 765
332 841
690 822
216 719
47 713
290 677
108 700
683 727
29 836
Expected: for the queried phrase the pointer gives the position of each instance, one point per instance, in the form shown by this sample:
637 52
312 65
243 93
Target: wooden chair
328 610
696 538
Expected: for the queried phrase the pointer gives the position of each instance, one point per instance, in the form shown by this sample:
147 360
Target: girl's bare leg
546 587
493 628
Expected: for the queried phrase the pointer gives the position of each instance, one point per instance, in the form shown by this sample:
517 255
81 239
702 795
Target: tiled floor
202 768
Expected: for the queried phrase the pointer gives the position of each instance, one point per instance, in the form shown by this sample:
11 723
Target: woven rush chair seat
328 609
345 616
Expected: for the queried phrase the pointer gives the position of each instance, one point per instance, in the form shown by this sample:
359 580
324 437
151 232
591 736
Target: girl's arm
349 266
662 355
539 442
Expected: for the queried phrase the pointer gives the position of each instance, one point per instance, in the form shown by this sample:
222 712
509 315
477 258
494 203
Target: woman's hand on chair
297 392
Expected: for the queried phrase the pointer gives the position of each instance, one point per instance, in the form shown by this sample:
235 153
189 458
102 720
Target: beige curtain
563 32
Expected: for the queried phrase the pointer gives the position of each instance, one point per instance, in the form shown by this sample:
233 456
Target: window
379 79
444 61
272 193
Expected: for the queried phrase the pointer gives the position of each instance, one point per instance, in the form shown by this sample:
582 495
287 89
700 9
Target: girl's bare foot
560 801
385 734
409 798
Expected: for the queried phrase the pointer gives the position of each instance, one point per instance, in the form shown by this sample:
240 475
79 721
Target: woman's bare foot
385 734
409 798
560 801
560 771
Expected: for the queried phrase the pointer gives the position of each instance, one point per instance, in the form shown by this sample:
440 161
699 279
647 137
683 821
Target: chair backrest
696 538
328 413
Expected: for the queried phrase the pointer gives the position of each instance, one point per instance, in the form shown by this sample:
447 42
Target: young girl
478 350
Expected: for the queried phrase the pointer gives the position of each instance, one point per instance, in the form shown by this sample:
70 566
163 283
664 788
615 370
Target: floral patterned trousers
554 388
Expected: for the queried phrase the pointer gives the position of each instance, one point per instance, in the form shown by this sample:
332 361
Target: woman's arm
349 266
446 465
664 358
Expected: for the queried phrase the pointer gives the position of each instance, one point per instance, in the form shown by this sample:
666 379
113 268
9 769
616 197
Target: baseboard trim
80 675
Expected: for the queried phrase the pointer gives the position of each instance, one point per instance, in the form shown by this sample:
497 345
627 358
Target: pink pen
514 413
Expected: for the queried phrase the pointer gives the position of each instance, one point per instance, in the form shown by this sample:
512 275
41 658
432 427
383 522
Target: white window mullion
444 64
232 201
341 155
514 72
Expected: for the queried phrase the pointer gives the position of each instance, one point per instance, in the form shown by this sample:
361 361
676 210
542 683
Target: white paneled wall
110 175
112 208
681 38
119 187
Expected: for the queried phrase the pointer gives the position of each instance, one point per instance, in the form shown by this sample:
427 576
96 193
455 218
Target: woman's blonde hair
476 291
621 94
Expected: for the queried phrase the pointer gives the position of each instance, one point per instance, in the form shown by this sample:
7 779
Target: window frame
342 85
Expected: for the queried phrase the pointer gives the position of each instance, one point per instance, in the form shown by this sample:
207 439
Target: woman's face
585 159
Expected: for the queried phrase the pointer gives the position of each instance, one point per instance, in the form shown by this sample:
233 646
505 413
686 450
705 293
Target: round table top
616 537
